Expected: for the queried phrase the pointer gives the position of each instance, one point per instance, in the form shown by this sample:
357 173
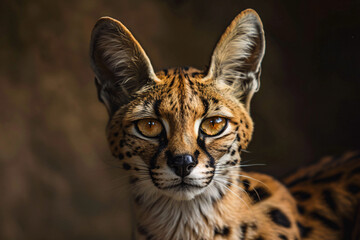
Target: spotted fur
217 200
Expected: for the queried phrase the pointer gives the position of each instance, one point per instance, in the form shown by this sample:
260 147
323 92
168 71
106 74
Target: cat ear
236 60
121 66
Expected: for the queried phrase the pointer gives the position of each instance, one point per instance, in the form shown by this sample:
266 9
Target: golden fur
217 199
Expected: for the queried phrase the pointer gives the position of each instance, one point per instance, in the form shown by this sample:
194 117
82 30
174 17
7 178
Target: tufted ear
235 63
119 63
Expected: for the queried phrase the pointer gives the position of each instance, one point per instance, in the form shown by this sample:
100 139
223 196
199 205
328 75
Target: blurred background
53 179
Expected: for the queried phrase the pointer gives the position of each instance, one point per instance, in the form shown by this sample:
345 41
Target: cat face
178 132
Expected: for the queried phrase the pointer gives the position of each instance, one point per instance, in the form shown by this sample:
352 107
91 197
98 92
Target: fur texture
216 199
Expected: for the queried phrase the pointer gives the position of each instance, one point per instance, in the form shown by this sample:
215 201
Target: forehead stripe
206 105
156 107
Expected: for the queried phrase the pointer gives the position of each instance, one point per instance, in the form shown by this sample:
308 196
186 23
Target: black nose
182 165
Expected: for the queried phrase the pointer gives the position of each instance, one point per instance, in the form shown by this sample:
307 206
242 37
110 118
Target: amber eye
149 127
213 126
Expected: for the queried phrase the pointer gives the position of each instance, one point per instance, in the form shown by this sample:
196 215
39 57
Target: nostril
190 167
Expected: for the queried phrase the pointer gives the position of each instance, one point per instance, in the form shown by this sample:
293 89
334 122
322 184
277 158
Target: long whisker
224 185
239 166
235 185
241 175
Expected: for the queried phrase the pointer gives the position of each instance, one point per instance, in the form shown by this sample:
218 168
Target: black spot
222 232
215 100
283 237
326 221
246 184
247 126
259 238
328 179
304 231
165 72
116 134
136 169
237 137
329 199
353 188
300 209
128 154
122 143
258 194
191 83
301 195
121 156
126 166
278 217
233 152
243 228
112 142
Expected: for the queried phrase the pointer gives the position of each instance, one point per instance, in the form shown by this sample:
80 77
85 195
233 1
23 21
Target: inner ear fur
121 66
236 61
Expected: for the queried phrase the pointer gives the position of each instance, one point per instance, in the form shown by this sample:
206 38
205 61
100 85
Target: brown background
53 180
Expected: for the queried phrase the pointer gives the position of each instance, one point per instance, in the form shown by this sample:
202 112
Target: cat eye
213 126
149 127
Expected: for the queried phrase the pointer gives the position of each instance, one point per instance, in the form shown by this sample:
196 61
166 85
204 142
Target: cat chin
183 194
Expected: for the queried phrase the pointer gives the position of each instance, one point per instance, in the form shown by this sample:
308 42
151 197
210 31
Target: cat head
178 132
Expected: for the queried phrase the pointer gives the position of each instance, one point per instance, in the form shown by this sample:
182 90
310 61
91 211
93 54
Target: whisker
241 175
235 185
241 165
224 185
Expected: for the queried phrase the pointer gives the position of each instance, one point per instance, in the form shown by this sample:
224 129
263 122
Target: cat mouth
181 186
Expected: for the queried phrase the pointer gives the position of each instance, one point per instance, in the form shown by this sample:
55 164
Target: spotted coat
187 184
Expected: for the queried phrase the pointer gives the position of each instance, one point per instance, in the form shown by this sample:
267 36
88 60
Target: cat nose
182 165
